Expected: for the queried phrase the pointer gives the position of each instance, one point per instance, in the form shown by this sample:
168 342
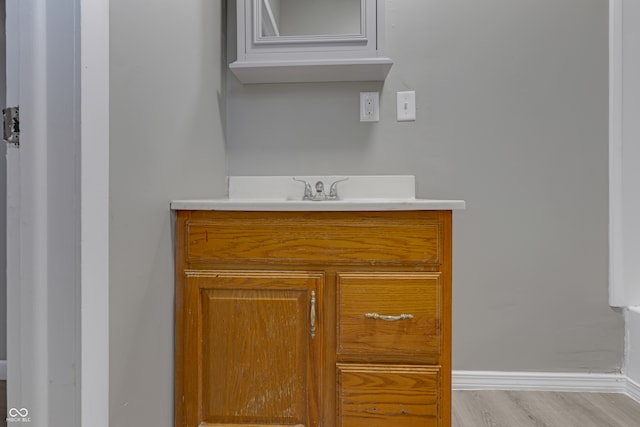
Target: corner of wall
632 344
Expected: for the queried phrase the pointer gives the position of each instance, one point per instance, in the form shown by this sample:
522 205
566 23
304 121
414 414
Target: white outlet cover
369 106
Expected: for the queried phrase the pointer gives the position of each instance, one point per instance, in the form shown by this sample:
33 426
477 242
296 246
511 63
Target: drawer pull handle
313 314
388 318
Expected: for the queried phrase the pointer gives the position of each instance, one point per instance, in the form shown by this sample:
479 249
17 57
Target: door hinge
11 132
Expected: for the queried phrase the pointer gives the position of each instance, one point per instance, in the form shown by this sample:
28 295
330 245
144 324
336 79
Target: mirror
301 18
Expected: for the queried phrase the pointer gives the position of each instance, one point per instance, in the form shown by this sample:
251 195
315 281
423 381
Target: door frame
33 349
94 195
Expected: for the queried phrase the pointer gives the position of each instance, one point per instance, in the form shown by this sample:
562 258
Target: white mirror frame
272 59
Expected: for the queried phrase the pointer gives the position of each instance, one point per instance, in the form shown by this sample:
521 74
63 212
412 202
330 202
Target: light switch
406 106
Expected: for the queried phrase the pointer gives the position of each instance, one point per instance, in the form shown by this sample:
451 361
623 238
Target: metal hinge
11 132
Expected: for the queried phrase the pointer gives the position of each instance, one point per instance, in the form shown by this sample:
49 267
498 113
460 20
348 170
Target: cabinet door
252 348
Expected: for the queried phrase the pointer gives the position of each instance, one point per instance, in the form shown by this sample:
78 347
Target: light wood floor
543 409
518 409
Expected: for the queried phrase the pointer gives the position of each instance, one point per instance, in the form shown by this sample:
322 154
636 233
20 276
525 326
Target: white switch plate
406 106
369 106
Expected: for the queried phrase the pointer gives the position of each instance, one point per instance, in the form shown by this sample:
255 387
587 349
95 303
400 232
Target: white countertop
300 205
359 193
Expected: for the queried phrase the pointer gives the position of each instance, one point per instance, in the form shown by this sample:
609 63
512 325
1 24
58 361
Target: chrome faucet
320 194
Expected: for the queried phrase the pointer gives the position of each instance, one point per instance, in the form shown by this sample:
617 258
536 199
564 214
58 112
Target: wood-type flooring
543 409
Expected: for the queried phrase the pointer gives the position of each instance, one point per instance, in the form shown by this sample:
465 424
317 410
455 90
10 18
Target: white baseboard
541 381
3 370
633 390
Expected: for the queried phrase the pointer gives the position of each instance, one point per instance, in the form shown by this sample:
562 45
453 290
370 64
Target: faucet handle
333 190
308 194
320 194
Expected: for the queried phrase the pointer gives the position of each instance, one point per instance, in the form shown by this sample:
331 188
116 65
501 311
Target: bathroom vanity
297 313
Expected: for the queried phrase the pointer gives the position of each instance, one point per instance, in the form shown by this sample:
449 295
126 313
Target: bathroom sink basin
283 193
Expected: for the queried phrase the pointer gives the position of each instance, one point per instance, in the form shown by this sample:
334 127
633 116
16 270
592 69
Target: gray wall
512 117
512 101
167 142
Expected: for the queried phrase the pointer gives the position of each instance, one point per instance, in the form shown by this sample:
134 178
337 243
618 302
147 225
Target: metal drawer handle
388 318
312 314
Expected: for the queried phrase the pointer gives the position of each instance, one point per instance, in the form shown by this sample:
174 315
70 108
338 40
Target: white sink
282 193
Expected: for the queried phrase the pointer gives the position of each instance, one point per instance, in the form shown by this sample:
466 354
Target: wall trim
545 381
633 389
617 297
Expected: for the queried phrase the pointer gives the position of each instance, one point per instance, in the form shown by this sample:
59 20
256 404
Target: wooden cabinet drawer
363 296
388 396
311 237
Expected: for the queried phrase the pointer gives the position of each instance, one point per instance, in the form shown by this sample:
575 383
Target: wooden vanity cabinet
313 319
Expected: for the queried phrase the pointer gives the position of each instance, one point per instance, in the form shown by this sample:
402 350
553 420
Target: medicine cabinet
310 41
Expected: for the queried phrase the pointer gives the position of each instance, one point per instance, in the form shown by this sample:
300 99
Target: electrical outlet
369 106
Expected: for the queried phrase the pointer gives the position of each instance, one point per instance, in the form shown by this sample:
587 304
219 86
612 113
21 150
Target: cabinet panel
243 332
253 354
409 309
314 238
388 396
